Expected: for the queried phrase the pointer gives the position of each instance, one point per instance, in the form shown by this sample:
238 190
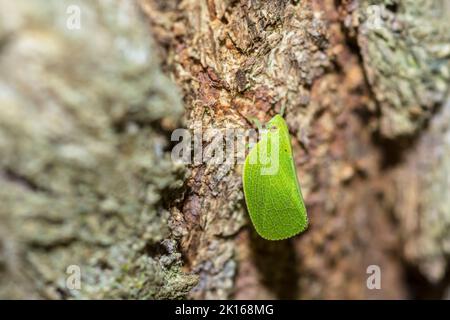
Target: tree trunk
87 180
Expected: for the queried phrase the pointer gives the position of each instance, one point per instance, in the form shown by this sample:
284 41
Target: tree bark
86 117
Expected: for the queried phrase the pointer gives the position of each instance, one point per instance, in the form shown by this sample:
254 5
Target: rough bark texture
85 170
85 120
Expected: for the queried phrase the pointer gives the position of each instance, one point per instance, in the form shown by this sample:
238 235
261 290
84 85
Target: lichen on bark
420 206
406 48
85 122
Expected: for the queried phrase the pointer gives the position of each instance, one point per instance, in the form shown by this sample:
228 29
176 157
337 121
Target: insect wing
271 188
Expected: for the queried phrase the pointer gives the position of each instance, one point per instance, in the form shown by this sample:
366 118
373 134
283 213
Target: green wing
272 192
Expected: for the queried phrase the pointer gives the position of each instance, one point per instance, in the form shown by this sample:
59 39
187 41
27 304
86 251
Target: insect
271 188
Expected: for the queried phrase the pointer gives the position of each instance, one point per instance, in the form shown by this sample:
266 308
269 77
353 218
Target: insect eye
273 129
